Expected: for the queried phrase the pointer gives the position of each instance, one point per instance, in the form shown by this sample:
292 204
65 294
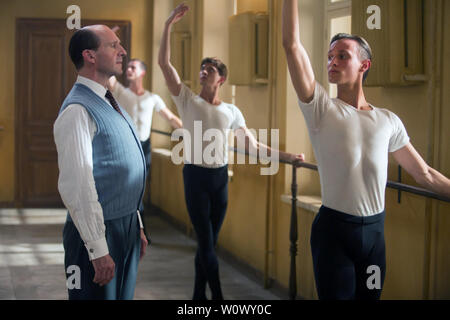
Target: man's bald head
88 38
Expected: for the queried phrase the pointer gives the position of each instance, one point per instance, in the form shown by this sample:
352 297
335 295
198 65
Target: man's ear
222 80
89 55
365 65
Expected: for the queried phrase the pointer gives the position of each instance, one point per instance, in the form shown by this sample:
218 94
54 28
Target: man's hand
170 73
178 13
296 159
144 244
104 270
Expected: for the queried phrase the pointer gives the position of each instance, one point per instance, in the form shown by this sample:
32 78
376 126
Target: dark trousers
345 251
123 239
206 193
146 147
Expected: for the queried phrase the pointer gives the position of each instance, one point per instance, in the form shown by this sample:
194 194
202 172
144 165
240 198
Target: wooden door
44 76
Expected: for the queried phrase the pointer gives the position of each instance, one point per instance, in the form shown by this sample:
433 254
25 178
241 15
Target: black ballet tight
206 193
345 251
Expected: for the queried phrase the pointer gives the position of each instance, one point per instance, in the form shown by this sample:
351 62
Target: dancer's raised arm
300 68
170 73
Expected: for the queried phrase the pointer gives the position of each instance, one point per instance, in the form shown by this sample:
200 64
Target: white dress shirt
74 130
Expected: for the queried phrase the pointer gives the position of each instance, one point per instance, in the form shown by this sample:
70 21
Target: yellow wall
215 37
137 11
251 5
440 223
167 188
244 231
158 85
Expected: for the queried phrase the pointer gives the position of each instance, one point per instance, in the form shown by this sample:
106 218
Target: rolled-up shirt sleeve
73 132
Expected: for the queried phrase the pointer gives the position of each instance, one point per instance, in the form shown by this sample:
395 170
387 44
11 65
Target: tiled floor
31 261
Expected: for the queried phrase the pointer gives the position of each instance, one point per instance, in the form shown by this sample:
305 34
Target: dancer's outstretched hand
178 13
297 159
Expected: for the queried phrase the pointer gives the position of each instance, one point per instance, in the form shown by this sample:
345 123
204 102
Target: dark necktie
113 101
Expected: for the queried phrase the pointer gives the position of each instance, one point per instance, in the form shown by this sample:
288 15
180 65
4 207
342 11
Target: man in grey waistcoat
101 174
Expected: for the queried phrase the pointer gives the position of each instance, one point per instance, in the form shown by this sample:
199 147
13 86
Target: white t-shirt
351 148
208 148
140 108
